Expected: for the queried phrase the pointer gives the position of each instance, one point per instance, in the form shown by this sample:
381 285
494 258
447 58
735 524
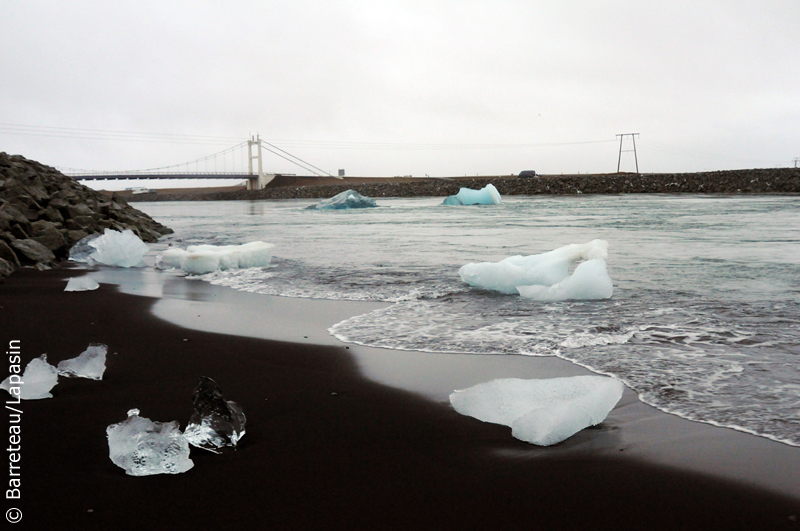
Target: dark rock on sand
31 251
43 213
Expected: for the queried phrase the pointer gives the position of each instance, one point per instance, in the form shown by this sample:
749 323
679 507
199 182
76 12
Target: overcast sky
382 88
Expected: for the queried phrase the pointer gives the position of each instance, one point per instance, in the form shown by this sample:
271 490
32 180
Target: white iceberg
35 383
216 423
546 276
199 259
81 284
542 412
144 448
91 363
488 195
344 200
112 248
589 281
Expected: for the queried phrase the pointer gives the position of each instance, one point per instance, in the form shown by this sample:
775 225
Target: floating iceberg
542 412
112 248
35 383
199 259
346 199
145 448
81 284
91 363
215 423
488 195
546 276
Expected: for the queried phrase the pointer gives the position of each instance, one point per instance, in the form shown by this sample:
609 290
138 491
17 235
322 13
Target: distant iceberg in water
488 195
542 412
546 276
199 259
344 200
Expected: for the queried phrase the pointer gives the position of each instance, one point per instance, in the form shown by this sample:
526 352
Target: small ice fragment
144 448
91 363
200 259
542 412
120 249
543 271
343 200
488 195
215 423
81 284
35 383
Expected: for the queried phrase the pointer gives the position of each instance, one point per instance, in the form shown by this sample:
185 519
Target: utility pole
796 160
633 139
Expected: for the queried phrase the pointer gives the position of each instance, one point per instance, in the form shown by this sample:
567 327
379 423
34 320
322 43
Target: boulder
52 238
7 254
6 268
33 251
43 213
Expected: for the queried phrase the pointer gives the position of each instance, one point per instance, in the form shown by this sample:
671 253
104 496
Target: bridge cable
298 158
293 162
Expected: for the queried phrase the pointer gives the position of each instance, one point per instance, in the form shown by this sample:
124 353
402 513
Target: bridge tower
260 180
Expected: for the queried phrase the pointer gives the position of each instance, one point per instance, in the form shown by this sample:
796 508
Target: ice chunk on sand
346 199
81 251
542 412
199 259
546 270
91 363
144 448
215 423
35 383
81 284
120 249
488 195
112 248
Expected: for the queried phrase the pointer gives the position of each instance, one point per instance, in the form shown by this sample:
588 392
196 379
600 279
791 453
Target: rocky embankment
757 181
43 213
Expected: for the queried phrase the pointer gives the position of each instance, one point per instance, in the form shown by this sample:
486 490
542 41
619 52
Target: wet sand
342 436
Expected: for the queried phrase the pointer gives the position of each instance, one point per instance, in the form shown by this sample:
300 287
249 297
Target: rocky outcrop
43 213
753 181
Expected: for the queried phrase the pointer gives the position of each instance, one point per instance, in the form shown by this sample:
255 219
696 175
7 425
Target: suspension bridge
244 161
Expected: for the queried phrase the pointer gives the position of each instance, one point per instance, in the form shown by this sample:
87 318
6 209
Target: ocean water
704 322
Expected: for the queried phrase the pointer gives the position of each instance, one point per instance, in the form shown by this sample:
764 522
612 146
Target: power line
703 154
139 136
109 135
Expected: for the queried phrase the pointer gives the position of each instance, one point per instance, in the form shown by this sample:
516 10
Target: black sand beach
328 448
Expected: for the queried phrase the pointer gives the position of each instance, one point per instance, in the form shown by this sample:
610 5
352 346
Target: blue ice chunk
488 195
346 199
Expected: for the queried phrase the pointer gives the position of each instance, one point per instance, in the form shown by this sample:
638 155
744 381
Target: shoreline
380 453
748 181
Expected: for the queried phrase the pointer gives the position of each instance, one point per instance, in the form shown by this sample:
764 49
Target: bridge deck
129 176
